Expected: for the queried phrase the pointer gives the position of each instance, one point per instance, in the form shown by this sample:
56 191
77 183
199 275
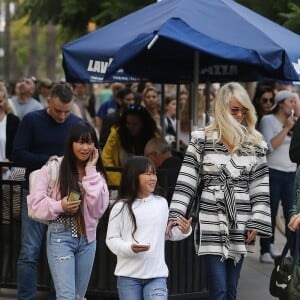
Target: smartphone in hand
143 245
74 196
292 113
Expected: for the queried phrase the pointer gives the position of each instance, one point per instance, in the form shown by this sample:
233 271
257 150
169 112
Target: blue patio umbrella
176 41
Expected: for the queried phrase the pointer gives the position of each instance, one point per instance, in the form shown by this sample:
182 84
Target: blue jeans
281 188
32 234
138 289
222 277
70 260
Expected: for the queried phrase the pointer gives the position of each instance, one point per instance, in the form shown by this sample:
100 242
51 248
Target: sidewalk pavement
253 284
255 276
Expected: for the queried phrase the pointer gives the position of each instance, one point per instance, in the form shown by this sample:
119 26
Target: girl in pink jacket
71 236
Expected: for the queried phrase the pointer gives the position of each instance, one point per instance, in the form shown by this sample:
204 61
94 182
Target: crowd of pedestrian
251 152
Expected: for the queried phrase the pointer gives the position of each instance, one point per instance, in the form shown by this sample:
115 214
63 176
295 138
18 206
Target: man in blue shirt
109 106
40 137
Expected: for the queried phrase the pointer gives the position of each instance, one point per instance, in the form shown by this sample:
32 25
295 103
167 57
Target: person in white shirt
136 233
276 128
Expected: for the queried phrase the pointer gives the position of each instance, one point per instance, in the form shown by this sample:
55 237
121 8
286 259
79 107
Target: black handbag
285 276
194 205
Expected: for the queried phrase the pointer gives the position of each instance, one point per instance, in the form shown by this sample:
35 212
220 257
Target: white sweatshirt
151 218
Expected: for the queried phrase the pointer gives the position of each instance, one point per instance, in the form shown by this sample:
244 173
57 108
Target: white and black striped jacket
235 196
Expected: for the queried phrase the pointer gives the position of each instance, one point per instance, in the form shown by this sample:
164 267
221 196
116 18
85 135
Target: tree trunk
51 52
33 53
6 63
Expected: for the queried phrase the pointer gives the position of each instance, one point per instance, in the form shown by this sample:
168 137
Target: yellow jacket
110 156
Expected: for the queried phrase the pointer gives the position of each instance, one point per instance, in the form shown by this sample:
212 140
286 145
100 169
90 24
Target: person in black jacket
294 150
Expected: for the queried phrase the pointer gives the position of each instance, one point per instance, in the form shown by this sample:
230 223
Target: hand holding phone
143 245
71 203
140 247
74 196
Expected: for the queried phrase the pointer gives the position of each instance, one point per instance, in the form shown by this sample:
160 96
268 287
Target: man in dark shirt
295 143
167 164
40 136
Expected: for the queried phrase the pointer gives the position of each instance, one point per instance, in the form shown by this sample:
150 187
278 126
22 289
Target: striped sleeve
260 220
188 177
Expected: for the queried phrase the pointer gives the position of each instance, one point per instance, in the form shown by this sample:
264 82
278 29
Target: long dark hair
130 184
68 175
257 99
136 144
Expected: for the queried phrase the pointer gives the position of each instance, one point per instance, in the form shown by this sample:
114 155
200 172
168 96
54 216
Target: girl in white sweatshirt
136 233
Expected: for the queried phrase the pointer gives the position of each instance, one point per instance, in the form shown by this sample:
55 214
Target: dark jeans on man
32 235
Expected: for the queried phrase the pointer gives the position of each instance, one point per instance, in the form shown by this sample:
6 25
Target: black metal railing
186 272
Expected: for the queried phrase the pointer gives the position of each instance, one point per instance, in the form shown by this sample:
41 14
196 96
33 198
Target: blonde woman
8 126
234 205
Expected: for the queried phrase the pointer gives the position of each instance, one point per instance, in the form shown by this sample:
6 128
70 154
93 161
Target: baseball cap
282 95
46 82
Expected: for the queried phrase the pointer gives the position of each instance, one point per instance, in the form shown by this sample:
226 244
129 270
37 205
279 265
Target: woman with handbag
234 203
277 128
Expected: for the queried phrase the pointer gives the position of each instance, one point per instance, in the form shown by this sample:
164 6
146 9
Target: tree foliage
292 18
283 12
74 15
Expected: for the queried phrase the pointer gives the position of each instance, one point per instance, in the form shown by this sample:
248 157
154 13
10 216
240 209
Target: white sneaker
266 258
273 251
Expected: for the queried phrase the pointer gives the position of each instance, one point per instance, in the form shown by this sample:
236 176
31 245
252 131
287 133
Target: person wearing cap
43 91
276 128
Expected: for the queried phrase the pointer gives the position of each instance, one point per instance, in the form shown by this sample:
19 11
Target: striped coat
235 197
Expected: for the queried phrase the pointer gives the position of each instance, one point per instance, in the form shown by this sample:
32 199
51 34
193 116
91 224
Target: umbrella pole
195 92
177 117
207 102
162 111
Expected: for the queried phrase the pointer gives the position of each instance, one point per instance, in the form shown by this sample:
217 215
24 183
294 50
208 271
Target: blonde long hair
7 108
242 136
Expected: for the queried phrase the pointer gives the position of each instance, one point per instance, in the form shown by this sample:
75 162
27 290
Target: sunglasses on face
135 107
267 100
236 110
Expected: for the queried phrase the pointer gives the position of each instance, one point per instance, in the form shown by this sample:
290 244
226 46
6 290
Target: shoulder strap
200 181
202 154
54 169
289 242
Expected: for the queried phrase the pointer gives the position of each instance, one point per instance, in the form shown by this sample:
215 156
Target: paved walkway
255 276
